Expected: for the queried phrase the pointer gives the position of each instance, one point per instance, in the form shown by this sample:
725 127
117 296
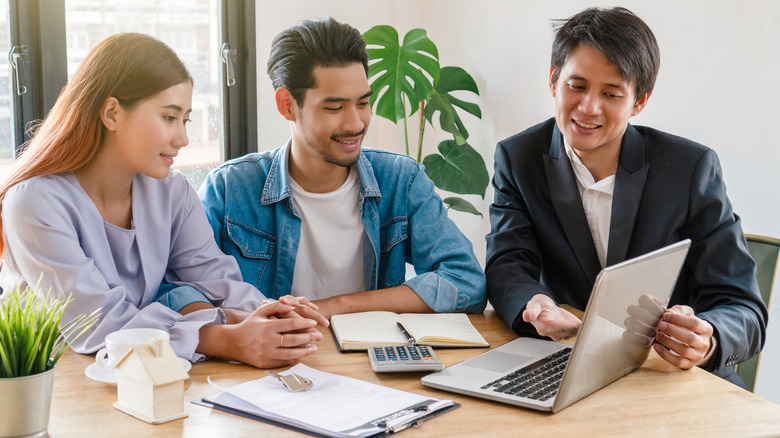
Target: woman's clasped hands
277 333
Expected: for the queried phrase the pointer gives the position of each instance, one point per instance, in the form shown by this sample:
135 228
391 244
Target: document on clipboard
334 406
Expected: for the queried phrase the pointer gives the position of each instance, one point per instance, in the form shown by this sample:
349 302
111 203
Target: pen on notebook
409 337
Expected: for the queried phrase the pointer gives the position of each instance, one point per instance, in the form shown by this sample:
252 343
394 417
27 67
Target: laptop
617 331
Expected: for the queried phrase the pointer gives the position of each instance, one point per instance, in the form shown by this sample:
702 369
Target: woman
91 209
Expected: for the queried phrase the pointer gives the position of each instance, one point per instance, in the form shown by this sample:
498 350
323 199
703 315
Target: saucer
108 375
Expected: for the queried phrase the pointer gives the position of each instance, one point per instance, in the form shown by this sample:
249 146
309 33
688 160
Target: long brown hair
128 66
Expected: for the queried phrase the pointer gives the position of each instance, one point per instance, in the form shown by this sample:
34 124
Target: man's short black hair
313 43
624 39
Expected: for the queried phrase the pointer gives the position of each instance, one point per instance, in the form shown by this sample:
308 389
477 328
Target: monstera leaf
441 101
397 70
459 169
460 204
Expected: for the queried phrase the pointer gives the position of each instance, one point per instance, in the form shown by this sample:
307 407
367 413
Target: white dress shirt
596 201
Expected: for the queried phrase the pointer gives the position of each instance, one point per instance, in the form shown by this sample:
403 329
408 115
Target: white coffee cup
119 343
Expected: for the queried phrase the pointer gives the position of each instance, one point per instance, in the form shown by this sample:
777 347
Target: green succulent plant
31 340
406 78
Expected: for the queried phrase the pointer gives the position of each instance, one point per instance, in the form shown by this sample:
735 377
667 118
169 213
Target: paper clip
292 381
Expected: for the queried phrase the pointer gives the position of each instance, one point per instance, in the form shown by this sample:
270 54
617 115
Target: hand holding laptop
684 340
549 319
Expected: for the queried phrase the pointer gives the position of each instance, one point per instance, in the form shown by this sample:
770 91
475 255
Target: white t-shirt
330 252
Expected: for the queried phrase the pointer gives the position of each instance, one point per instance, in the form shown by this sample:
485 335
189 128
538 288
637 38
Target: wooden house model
150 383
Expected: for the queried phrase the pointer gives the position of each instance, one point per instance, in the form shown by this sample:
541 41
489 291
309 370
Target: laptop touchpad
497 361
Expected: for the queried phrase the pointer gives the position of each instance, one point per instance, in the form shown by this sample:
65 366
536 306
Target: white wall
717 83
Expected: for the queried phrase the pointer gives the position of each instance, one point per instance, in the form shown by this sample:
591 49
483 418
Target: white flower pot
25 404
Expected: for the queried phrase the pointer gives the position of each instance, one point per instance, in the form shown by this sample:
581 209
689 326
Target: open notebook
358 331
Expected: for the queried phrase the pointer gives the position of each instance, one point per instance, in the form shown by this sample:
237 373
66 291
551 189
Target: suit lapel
567 203
629 184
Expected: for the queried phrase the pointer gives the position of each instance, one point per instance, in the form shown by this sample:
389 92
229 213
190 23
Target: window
190 28
60 33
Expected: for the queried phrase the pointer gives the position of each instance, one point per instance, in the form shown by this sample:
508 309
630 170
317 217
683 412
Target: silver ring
281 342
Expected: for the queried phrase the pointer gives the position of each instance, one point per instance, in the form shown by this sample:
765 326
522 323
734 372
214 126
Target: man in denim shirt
324 219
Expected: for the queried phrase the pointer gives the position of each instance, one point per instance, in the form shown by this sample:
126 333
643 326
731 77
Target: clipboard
363 408
417 422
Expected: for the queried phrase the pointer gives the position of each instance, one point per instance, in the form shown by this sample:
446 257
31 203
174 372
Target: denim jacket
249 205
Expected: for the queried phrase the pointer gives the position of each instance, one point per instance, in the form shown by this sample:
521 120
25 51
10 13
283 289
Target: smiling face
329 127
148 136
593 104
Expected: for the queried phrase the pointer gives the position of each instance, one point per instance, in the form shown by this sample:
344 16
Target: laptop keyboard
538 381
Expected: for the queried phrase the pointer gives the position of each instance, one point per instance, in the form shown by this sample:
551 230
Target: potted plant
31 343
407 78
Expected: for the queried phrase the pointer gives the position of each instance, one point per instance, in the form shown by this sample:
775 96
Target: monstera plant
406 79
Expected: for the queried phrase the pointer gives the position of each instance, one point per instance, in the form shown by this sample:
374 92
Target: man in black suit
586 190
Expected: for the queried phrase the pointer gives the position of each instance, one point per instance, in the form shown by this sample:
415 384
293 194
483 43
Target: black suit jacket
667 189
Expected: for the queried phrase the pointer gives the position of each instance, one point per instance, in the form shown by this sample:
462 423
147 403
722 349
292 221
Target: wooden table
656 400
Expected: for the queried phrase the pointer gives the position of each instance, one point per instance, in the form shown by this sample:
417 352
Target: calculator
403 358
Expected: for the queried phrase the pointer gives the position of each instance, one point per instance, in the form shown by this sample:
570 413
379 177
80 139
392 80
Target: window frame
36 27
239 101
40 24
